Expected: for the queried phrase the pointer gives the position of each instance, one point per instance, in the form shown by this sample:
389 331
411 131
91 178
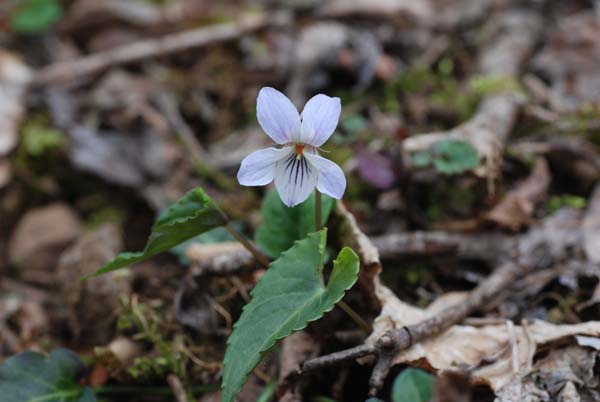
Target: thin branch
177 388
488 129
144 49
555 240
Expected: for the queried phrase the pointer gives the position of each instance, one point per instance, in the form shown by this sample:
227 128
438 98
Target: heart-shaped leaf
282 225
191 215
33 377
454 156
413 385
289 295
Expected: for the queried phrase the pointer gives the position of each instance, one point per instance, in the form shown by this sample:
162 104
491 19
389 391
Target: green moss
40 137
557 202
146 321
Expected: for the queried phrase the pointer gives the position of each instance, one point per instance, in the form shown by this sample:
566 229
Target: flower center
299 150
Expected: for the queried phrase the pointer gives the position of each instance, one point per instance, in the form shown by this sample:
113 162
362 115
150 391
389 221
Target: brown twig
402 338
148 48
481 246
489 128
539 248
177 388
168 105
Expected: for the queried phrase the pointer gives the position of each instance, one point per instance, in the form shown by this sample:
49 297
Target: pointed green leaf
413 385
283 225
191 215
289 295
33 377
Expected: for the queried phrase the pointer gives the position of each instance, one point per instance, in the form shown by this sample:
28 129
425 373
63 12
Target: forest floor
470 139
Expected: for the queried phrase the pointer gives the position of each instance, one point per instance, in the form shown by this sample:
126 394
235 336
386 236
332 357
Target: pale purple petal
331 180
258 168
277 115
295 179
319 119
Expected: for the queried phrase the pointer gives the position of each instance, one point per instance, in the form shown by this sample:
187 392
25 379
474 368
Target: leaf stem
365 326
260 257
318 219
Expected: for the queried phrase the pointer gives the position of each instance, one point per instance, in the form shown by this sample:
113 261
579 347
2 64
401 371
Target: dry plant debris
468 142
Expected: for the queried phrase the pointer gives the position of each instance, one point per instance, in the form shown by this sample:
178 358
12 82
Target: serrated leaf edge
272 343
196 214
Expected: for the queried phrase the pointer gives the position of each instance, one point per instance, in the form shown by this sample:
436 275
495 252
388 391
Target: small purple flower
296 166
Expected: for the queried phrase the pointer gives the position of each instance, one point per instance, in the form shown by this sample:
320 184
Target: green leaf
289 295
32 16
33 377
454 156
354 123
413 385
282 225
191 215
39 137
421 159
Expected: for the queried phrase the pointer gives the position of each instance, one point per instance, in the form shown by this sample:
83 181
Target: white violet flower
296 166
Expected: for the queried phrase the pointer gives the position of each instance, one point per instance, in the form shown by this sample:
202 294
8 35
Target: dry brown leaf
516 208
14 78
509 347
565 375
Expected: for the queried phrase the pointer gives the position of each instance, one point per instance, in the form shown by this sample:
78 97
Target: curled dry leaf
370 266
517 206
496 354
565 375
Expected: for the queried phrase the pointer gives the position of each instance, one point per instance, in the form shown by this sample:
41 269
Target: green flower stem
260 257
318 219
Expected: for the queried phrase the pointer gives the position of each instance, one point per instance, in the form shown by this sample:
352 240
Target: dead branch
481 246
177 388
541 247
231 258
489 128
149 48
